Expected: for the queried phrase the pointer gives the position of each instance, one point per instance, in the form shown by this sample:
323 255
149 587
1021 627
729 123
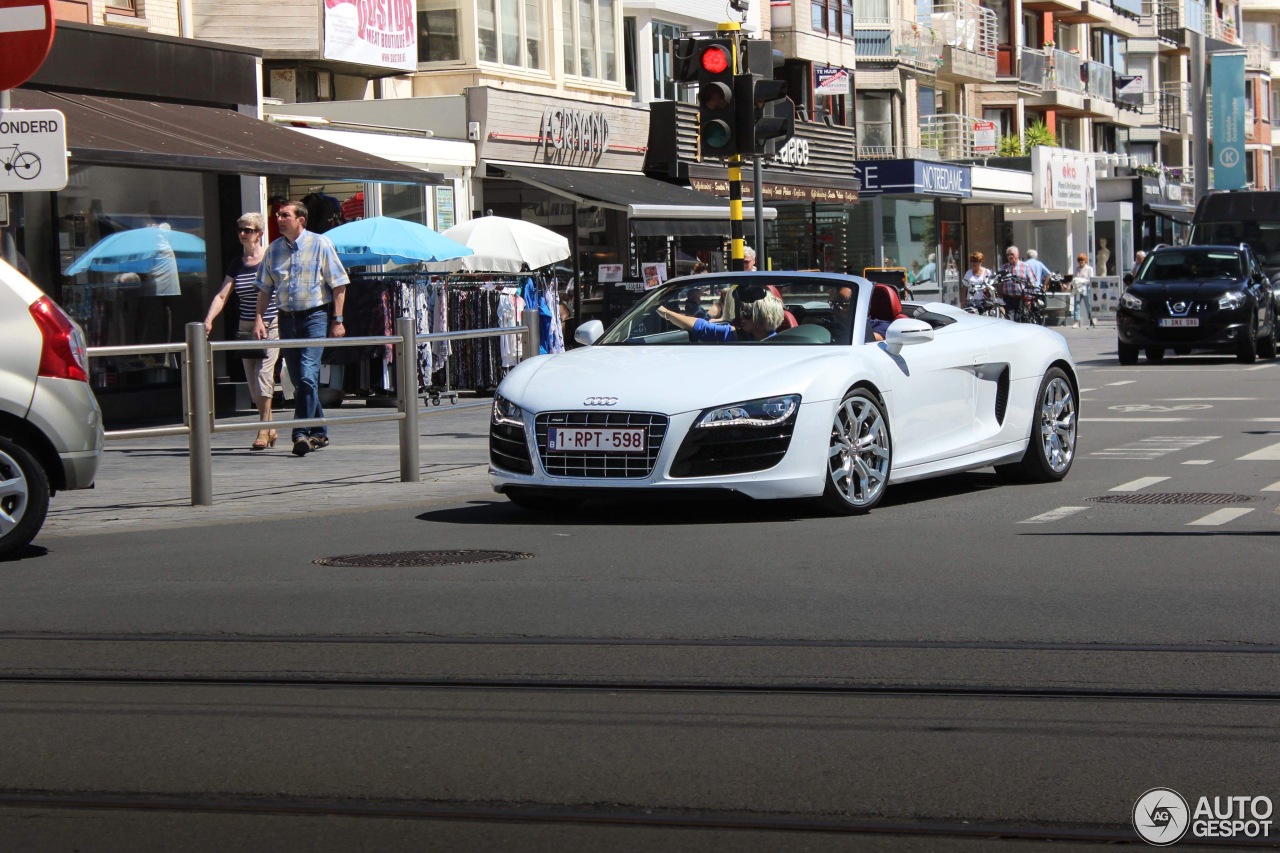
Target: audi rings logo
1161 817
600 401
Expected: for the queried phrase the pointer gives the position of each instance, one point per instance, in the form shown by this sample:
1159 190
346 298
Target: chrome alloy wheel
1058 418
15 494
860 452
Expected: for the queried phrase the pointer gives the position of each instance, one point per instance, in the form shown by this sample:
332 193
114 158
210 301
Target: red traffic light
715 59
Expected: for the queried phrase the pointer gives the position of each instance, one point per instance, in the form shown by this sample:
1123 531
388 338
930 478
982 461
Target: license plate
607 439
1179 322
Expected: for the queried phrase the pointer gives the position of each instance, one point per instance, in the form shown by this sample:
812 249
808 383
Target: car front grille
508 449
714 451
600 463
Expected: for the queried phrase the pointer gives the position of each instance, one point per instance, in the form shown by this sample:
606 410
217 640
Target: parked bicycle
982 298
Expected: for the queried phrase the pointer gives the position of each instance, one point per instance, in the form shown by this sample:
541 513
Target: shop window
147 292
438 31
664 87
591 31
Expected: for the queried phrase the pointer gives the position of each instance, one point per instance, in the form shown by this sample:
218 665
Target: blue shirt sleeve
880 327
704 331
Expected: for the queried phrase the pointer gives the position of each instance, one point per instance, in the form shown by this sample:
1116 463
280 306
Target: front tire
1128 353
24 497
1155 355
1052 447
1248 351
859 454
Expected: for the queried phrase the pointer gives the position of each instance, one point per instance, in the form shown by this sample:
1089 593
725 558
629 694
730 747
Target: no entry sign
26 34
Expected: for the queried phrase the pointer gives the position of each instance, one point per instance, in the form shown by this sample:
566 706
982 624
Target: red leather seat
885 304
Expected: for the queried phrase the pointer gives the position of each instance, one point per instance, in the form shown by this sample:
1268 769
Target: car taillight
63 355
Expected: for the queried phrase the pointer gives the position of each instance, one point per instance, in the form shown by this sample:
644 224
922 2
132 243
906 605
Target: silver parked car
50 423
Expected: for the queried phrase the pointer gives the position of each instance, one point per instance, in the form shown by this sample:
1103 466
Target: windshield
1261 236
741 310
1192 264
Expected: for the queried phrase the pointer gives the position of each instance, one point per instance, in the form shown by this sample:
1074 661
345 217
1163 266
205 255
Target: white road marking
1261 366
1135 420
1085 390
22 19
1152 448
1205 399
1266 454
1274 487
1264 420
1135 485
1198 462
1054 514
1121 382
1221 516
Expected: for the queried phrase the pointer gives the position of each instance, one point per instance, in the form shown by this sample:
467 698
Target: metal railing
950 135
967 26
1031 67
917 44
1219 28
1257 56
199 424
1172 97
875 140
1100 81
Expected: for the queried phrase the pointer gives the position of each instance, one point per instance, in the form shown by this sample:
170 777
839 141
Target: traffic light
714 63
772 119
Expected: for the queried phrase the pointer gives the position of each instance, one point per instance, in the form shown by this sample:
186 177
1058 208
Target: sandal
266 438
318 441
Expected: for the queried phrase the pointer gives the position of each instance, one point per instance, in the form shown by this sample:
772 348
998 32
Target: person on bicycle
1016 275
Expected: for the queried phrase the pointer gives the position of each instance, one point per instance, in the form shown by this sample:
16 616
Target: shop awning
123 132
655 207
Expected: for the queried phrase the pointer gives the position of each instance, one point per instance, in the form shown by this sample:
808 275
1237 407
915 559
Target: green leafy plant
1009 146
1038 133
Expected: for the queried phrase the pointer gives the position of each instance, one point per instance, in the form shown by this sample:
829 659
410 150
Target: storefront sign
33 150
1064 180
445 216
984 137
776 192
794 153
577 131
372 32
609 272
1228 121
915 177
830 81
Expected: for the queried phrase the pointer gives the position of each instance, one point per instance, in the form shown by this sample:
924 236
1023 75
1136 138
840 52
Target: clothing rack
414 278
517 282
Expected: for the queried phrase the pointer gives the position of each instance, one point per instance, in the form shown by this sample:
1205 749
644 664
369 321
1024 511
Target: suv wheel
1128 353
1155 354
1267 346
1248 352
24 497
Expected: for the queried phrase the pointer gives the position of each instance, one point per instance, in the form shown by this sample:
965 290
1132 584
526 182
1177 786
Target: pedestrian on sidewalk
1080 279
302 271
242 275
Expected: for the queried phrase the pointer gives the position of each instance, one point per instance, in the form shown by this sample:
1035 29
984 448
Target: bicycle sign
33 150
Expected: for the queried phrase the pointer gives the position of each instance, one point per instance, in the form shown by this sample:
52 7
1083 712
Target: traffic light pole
757 201
736 255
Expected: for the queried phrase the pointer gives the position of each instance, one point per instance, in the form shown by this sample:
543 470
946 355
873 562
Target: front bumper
1216 330
801 471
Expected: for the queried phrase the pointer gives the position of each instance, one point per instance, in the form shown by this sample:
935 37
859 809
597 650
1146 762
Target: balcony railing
1219 28
1170 101
917 44
1100 81
1257 56
967 26
1063 72
950 136
1031 67
875 140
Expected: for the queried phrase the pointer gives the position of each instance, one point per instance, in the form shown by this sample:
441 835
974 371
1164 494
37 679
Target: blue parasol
383 240
139 250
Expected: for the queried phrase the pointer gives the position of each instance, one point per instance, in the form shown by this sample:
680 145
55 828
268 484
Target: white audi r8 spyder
836 393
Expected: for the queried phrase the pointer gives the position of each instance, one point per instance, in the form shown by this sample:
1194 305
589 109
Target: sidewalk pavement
146 483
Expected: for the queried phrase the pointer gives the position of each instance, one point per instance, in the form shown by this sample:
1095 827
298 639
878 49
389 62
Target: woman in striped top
242 274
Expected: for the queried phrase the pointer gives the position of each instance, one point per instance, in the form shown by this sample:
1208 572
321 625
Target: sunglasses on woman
247 230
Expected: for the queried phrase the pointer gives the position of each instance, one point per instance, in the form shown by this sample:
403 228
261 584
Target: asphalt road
973 666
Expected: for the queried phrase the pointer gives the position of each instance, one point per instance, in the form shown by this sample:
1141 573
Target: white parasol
503 245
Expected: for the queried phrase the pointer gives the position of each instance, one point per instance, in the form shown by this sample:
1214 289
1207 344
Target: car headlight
762 413
507 412
1128 300
1231 301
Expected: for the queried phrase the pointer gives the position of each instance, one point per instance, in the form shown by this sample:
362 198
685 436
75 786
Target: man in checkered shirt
1014 283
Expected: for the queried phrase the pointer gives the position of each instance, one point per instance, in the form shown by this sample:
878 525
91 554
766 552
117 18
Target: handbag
258 352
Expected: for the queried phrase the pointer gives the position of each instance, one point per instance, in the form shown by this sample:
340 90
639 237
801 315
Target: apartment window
1003 21
1275 104
1109 49
510 33
1003 118
664 38
590 30
926 102
438 31
1256 32
835 17
122 7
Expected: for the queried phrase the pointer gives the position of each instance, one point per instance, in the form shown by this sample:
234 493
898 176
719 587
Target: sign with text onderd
372 32
26 34
33 151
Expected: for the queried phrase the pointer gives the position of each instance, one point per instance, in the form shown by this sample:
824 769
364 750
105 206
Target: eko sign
1063 180
915 177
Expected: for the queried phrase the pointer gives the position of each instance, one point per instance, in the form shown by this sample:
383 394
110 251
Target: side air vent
1002 394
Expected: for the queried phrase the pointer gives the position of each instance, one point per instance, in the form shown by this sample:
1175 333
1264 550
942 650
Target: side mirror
1128 278
904 333
589 332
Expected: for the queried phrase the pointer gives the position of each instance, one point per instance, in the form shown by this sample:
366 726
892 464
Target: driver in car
841 302
760 315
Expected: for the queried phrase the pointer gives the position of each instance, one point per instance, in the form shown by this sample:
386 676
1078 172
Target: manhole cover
1176 498
416 559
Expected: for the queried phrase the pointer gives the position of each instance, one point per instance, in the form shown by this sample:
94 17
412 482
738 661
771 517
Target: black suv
1197 297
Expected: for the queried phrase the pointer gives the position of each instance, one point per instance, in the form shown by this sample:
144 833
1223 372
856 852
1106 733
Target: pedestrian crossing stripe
1219 517
1139 484
1269 453
1153 448
1054 515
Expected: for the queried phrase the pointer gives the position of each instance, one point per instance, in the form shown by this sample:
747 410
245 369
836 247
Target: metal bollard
199 378
532 331
407 390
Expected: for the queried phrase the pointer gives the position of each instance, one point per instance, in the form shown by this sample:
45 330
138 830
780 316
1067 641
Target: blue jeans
304 365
